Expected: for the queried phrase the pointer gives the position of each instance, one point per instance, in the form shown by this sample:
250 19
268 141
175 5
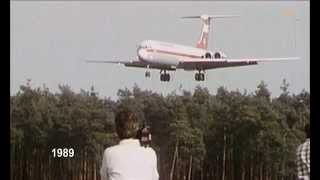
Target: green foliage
250 128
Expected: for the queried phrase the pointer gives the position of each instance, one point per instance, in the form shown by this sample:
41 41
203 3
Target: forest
229 135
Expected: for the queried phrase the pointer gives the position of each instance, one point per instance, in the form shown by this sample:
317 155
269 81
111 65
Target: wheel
168 77
202 76
147 74
196 76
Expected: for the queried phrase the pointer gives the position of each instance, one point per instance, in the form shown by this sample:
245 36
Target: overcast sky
49 41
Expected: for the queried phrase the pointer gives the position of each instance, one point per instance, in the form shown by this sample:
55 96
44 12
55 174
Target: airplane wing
115 62
264 59
136 64
194 64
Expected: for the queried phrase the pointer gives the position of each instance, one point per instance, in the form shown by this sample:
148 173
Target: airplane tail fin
206 19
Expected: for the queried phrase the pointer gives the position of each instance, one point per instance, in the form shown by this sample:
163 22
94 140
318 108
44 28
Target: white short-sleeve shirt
129 161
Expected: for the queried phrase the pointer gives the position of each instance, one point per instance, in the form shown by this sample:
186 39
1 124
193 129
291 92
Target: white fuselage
157 52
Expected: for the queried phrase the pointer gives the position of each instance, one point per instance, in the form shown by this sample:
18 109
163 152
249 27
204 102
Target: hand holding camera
144 136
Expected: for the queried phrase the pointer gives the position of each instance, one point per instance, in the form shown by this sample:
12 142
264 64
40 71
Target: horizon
178 92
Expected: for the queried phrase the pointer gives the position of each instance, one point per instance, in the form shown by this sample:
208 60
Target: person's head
307 130
127 123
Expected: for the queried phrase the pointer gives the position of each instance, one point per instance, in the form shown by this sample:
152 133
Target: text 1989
63 153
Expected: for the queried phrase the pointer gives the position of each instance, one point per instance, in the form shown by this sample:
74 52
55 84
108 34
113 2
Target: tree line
230 135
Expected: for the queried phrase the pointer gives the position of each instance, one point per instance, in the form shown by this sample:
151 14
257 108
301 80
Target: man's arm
103 169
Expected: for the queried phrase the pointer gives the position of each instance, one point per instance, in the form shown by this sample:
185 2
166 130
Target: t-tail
206 19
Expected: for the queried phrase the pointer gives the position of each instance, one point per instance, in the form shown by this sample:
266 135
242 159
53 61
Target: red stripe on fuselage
173 53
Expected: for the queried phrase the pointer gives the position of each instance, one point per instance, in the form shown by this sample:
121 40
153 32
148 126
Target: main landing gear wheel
199 76
164 76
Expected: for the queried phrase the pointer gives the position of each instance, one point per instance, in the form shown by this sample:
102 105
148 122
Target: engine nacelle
219 55
208 55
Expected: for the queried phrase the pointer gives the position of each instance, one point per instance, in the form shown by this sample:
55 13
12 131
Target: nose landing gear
147 74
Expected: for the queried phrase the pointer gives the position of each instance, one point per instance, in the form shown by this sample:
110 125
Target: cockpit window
144 45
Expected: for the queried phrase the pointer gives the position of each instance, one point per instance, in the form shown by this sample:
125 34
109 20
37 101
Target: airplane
166 56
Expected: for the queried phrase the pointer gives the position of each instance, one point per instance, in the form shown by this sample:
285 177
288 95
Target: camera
144 136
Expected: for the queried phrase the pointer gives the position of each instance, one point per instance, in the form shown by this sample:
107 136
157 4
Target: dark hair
126 123
307 130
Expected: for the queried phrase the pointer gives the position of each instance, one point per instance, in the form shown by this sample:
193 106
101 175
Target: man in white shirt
128 160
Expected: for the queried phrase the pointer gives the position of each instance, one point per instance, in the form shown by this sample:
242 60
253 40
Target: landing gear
199 76
147 74
164 76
